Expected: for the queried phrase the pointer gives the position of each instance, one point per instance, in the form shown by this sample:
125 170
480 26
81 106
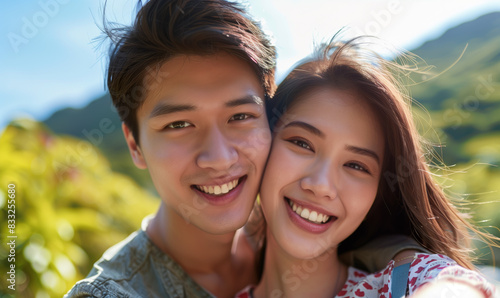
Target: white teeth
313 216
305 213
218 189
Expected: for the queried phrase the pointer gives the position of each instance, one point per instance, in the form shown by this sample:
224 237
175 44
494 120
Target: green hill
99 124
464 99
443 50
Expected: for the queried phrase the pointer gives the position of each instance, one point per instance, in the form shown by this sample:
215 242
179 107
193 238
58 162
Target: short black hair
166 28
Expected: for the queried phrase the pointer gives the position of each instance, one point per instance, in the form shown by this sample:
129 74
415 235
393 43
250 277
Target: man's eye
178 125
240 117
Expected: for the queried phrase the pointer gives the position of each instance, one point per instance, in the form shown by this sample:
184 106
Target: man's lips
219 189
228 191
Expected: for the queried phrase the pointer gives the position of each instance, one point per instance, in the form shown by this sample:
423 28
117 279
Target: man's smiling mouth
219 189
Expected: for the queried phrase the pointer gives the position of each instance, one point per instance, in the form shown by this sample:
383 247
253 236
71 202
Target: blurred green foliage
70 207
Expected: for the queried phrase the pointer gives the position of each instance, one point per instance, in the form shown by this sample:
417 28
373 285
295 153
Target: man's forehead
187 74
194 67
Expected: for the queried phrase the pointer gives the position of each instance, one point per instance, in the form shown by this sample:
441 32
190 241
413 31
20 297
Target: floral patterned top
423 269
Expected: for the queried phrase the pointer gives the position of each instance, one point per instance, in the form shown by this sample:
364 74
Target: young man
189 80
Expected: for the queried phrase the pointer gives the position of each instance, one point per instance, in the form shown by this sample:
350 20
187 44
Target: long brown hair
409 200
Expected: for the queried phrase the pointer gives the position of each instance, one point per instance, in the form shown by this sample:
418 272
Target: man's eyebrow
307 127
164 109
250 99
363 151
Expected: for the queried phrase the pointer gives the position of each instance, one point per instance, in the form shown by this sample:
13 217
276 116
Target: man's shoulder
122 258
99 287
113 272
135 267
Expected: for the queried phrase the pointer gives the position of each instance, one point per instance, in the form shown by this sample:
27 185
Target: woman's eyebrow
363 151
307 127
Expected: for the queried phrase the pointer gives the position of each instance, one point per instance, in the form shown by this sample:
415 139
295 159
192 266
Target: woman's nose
320 180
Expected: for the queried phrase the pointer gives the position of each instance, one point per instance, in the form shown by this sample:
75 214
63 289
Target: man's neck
205 257
285 276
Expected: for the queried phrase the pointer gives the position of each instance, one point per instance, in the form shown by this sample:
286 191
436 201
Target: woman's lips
308 219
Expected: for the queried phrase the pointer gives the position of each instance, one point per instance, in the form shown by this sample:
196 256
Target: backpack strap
400 280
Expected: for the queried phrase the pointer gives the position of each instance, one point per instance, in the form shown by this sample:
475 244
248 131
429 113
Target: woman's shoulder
424 259
424 268
427 268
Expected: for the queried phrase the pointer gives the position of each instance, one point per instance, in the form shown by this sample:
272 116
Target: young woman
347 166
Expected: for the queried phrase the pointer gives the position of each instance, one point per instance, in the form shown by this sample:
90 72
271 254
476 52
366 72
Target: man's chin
223 226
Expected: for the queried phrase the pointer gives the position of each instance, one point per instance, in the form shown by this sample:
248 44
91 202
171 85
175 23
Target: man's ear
134 149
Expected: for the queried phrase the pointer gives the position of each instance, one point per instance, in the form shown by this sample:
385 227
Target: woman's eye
357 167
301 143
178 125
240 117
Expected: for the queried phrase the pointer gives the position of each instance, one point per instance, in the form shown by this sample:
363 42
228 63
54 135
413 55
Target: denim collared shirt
136 267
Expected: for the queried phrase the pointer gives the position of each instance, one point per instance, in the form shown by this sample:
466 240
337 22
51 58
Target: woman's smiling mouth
312 216
308 214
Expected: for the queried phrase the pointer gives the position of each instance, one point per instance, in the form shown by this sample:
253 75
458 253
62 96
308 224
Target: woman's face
323 172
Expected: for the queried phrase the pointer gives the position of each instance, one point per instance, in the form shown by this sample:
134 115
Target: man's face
205 139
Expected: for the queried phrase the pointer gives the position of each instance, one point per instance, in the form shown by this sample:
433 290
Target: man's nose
217 151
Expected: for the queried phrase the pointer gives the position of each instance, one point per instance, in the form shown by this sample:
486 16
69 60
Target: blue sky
48 59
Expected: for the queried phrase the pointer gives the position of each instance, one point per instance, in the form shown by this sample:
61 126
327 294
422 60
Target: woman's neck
286 276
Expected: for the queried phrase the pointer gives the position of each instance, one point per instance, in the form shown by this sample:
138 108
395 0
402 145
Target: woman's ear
133 147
